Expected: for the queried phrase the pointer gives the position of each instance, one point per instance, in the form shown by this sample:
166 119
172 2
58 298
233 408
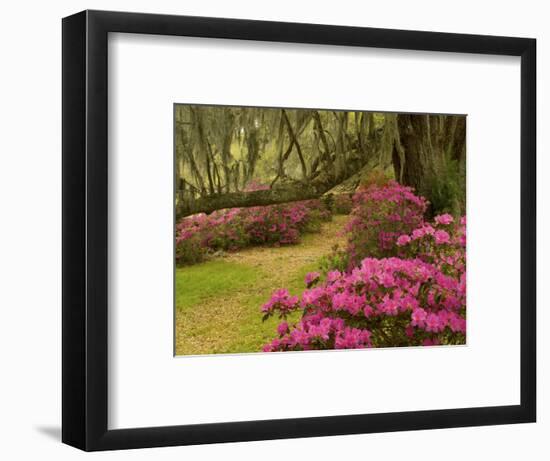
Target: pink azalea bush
380 215
405 284
282 224
441 243
236 228
381 303
198 234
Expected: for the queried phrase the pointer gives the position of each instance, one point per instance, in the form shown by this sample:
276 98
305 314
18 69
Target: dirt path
282 263
231 322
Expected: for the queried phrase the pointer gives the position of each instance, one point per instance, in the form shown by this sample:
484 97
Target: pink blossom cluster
381 303
408 290
282 301
318 332
236 228
442 243
382 213
281 224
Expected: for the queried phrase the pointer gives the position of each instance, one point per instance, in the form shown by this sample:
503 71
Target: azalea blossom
403 240
311 278
441 237
444 219
400 293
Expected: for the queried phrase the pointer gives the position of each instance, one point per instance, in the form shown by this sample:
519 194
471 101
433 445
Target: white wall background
30 243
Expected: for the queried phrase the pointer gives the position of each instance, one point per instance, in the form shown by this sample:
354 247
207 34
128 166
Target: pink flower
368 311
418 317
433 323
282 329
428 229
339 301
441 237
389 306
403 240
355 304
444 219
280 299
332 276
312 296
457 324
299 337
352 338
312 278
418 233
431 342
379 292
320 331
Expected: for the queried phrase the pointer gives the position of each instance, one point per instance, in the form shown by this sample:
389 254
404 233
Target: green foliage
222 149
338 260
447 189
190 252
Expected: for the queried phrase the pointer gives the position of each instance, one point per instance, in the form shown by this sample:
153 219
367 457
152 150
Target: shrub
441 243
188 249
276 225
382 303
382 213
222 230
235 228
416 299
338 259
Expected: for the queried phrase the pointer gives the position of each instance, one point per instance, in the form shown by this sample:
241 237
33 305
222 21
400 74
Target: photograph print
309 229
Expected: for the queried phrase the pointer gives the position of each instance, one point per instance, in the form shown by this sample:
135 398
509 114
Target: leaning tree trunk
288 192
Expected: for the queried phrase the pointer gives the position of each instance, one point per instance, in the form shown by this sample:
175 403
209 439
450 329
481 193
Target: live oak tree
302 154
429 154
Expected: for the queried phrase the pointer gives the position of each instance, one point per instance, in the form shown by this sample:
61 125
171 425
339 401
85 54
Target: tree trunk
289 192
419 166
429 144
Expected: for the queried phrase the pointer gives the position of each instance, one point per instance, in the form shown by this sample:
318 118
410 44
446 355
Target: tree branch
288 192
295 142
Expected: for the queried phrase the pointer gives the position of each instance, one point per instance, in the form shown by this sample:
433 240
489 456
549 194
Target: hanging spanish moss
298 154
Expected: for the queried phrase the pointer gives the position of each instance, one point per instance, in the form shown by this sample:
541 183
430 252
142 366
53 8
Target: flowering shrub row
413 292
380 215
236 228
441 243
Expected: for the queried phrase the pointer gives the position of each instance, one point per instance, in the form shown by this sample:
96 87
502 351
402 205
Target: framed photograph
278 230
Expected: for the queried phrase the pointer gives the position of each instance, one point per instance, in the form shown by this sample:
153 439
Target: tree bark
418 166
288 192
428 143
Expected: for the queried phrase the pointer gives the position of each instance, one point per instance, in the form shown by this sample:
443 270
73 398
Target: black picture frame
85 223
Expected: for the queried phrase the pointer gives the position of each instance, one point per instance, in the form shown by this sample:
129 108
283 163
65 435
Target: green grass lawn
253 333
216 288
196 284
